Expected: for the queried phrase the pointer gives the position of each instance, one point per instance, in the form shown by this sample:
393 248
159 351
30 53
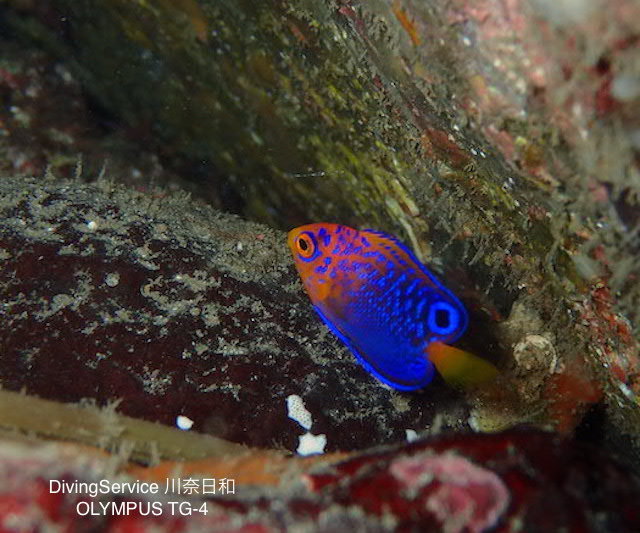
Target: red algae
549 482
406 22
514 481
464 496
570 393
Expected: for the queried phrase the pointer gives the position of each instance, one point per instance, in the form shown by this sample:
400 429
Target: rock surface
175 309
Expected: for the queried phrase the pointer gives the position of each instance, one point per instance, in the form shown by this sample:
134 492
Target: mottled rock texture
175 309
497 138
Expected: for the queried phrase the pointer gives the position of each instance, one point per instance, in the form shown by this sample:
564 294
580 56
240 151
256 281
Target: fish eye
306 246
443 318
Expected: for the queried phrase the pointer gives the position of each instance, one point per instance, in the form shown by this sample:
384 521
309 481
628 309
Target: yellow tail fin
459 368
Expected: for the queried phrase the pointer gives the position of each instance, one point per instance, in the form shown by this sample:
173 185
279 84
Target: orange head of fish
311 249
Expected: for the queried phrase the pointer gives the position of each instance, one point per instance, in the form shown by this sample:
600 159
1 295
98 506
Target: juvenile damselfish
386 306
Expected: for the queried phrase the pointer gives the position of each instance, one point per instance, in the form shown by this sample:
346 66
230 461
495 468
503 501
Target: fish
389 309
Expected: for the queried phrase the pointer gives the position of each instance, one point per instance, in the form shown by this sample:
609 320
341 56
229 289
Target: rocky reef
505 160
498 139
173 309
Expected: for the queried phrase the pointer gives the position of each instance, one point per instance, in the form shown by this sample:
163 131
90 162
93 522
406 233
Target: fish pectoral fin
459 367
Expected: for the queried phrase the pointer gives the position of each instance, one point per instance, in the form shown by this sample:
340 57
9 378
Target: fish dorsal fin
403 250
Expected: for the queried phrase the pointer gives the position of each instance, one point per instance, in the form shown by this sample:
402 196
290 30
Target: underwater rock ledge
176 309
519 480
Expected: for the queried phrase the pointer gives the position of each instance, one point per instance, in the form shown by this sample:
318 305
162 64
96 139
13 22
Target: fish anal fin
459 367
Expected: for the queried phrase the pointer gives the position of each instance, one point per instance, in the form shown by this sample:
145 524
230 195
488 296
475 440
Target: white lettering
118 508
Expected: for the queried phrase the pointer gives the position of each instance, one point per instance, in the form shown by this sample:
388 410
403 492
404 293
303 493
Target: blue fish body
375 295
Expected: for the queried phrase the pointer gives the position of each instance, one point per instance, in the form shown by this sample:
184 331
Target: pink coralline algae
460 494
521 480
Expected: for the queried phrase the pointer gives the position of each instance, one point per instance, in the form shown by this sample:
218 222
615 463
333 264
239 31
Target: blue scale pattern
383 305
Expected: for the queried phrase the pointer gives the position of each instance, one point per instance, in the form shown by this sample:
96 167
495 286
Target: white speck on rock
627 392
298 412
112 279
311 444
411 435
184 422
